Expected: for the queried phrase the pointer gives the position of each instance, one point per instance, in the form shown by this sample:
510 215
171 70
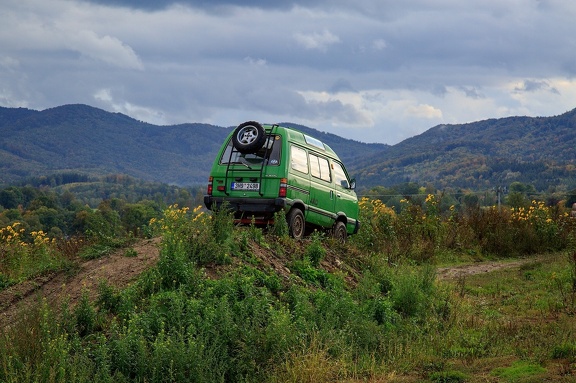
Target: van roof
294 135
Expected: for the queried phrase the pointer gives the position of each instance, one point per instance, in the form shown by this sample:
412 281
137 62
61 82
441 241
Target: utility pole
499 191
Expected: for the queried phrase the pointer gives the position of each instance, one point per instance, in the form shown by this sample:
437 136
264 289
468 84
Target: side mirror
353 183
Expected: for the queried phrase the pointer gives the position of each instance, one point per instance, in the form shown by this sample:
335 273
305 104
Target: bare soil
116 269
455 272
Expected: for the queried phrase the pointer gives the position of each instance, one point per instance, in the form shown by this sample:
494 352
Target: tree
11 198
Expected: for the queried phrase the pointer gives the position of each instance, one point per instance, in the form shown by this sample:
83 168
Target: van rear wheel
339 232
249 137
296 223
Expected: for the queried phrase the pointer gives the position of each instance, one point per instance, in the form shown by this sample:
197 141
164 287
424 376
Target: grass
340 313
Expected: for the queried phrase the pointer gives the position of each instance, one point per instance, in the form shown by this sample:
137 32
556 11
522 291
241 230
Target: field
419 295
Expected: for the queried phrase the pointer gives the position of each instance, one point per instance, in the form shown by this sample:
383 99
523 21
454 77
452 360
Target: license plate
245 186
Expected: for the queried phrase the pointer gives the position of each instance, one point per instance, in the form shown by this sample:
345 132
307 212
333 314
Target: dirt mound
119 270
116 269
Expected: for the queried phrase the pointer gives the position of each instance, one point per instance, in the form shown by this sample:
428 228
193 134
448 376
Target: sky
370 70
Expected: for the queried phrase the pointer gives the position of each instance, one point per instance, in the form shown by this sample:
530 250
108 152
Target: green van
262 169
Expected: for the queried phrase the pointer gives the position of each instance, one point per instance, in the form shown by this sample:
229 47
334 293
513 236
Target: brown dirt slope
116 269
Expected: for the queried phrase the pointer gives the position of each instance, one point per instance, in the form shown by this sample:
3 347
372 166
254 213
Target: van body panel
290 169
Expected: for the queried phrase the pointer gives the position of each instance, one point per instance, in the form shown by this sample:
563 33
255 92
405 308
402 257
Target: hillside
479 155
84 139
482 154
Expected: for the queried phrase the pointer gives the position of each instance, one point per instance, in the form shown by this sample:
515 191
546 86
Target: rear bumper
249 206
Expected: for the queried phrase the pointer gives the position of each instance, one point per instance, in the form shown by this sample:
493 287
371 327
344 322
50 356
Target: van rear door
245 174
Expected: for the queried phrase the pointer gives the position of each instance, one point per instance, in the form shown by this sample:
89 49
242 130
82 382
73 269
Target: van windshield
268 154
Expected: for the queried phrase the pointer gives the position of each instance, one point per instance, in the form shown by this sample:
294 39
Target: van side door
345 200
321 209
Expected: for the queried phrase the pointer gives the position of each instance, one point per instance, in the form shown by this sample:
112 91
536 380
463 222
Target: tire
339 232
249 137
296 223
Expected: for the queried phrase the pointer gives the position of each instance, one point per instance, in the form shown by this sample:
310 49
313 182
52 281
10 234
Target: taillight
210 180
283 187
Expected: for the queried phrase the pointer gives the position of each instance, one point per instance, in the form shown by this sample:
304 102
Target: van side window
319 167
340 178
299 159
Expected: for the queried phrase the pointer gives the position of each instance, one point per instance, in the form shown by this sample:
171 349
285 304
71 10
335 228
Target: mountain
81 138
534 150
78 138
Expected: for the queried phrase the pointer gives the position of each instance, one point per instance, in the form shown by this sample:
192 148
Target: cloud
257 62
379 71
424 111
472 92
535 85
9 63
208 4
135 111
379 44
104 48
315 40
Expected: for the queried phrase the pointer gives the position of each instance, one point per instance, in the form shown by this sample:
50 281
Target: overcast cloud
371 70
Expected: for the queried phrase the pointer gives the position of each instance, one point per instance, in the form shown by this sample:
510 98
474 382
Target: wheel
339 232
296 223
249 137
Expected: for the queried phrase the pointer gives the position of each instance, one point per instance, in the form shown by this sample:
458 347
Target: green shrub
448 377
280 226
315 251
519 370
565 350
85 316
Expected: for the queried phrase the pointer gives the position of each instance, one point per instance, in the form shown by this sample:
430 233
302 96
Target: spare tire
249 137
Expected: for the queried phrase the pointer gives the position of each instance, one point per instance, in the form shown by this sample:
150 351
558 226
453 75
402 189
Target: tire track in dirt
454 272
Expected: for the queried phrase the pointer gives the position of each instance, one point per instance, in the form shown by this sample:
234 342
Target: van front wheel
339 232
249 137
296 223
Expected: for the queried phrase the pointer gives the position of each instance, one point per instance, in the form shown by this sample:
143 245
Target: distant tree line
72 204
514 195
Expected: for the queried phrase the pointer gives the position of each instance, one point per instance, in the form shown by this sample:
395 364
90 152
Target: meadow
248 304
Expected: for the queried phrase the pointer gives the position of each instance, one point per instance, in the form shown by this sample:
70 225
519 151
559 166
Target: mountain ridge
476 155
79 137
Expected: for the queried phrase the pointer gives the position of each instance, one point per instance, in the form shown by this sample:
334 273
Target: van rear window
269 154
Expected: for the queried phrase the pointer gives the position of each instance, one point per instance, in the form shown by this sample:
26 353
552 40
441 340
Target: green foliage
315 251
386 315
280 226
519 370
566 350
130 252
24 254
448 377
310 273
85 316
422 232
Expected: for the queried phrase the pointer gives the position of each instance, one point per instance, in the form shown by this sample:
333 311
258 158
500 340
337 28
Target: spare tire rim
247 135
